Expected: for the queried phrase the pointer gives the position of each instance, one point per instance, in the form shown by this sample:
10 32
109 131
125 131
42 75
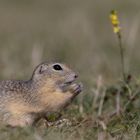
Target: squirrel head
57 73
57 85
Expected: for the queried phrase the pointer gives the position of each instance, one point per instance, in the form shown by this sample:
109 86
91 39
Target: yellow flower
115 21
116 29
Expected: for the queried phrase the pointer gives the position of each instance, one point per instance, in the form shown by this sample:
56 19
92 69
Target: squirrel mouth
66 84
69 82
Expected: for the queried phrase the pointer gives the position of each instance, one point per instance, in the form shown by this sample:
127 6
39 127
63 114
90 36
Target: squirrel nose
75 76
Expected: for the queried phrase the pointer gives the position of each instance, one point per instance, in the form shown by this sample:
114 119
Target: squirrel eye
57 67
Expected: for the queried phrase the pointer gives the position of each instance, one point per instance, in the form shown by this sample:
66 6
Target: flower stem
122 56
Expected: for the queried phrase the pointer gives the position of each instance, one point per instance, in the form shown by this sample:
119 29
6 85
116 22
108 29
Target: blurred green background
75 32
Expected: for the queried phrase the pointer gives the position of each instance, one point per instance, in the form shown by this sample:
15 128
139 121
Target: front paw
76 88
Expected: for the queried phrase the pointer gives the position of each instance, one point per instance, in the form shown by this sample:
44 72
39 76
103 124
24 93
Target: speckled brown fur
51 88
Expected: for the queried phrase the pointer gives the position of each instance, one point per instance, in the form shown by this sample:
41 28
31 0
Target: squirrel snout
71 77
75 76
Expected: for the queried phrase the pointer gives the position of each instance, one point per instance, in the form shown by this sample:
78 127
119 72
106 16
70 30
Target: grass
126 126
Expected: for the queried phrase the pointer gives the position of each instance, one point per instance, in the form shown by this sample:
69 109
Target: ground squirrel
51 88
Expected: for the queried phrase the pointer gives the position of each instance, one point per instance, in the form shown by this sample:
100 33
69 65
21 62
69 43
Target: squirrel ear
41 69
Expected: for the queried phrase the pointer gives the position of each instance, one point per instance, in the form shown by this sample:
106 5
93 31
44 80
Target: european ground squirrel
51 88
